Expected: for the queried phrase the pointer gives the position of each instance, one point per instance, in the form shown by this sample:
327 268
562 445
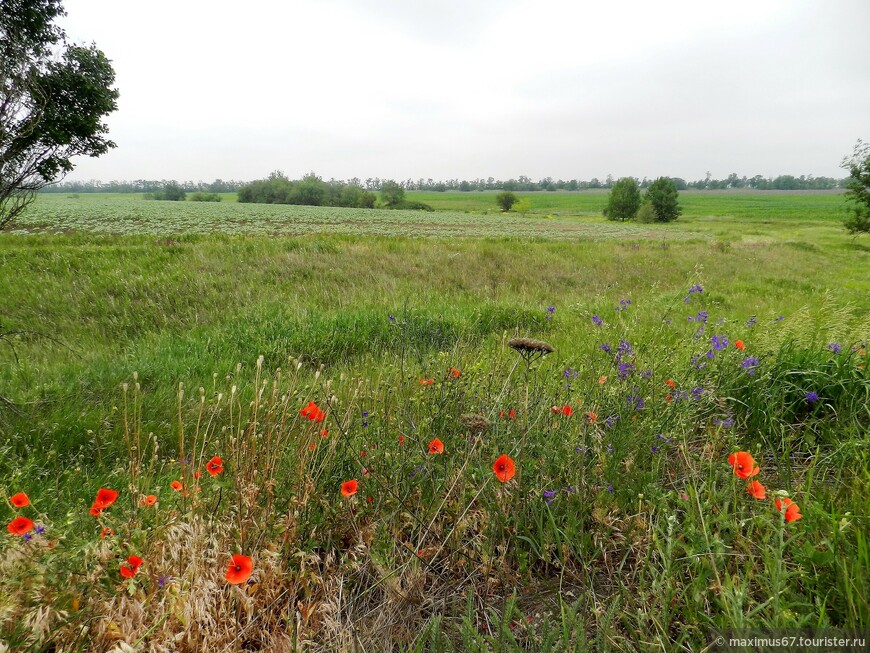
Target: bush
858 194
646 213
623 201
506 200
205 197
311 190
171 192
392 194
662 194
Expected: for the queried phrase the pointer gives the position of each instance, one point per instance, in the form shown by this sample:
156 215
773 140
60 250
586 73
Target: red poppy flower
197 475
177 486
324 433
671 383
743 464
436 446
401 440
349 488
504 468
592 417
106 532
739 344
19 526
668 398
19 500
427 381
313 412
455 373
131 567
756 490
567 410
240 569
96 510
792 510
149 500
214 466
509 414
105 498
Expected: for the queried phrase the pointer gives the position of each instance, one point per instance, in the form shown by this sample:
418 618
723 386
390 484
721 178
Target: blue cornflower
647 374
610 421
696 288
392 317
28 537
811 397
625 370
834 347
597 321
749 364
710 354
624 349
635 401
571 373
551 310
654 449
727 423
701 317
40 529
548 496
605 348
162 579
697 392
719 342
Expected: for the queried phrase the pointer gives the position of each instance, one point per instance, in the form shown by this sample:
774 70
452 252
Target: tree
392 194
858 184
53 97
623 201
506 199
662 196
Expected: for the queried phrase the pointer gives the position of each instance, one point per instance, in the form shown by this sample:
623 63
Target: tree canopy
858 194
662 196
623 200
53 98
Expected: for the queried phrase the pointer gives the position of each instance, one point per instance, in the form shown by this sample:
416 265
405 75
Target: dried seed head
528 346
474 422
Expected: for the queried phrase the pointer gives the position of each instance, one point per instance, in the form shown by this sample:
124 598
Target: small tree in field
858 194
506 200
662 196
623 200
392 194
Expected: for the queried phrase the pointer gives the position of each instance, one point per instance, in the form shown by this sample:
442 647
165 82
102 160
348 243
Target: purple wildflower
28 537
719 342
392 318
727 423
571 373
647 374
834 347
811 397
597 321
610 421
710 354
701 317
548 496
750 364
551 310
635 401
780 318
162 579
625 370
40 529
664 439
605 348
699 332
610 488
696 288
751 322
624 349
654 449
697 392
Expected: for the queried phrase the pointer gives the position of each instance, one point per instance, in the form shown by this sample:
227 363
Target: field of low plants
239 427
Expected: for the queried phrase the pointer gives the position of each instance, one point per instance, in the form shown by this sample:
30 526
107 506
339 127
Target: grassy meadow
140 339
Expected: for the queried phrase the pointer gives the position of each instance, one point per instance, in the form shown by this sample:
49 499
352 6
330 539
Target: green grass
149 287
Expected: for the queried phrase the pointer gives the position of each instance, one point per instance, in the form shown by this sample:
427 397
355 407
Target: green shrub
205 197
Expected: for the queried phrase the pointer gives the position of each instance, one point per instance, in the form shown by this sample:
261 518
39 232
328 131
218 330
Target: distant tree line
143 186
521 184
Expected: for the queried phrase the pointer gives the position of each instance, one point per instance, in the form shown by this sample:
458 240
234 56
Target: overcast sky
479 88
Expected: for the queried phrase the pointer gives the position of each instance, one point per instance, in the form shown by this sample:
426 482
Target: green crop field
139 339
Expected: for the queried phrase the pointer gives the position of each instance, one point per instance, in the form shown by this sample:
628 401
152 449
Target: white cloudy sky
478 88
